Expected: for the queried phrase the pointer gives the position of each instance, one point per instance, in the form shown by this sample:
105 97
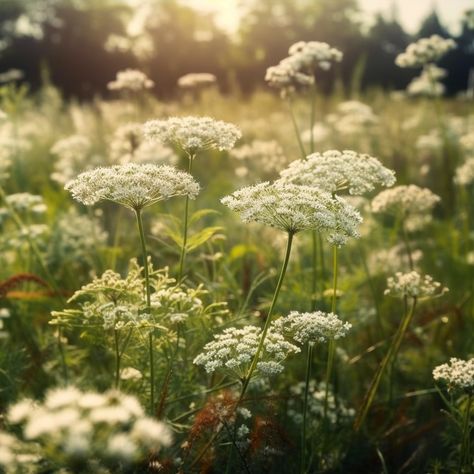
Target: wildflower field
275 283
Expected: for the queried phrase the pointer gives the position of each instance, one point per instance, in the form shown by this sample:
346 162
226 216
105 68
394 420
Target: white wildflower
130 80
294 208
413 285
428 82
457 373
130 373
193 134
424 51
132 185
310 55
197 80
287 79
151 433
465 173
334 171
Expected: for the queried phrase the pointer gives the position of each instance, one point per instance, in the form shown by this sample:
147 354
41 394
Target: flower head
309 55
287 79
428 82
132 185
196 80
312 327
130 80
294 208
457 373
234 349
424 51
414 285
334 171
193 134
465 173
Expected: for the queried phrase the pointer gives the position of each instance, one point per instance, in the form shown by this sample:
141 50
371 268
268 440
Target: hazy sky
411 12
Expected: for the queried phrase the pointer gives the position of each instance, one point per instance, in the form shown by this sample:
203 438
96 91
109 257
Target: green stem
312 116
185 227
297 130
465 448
392 352
138 215
253 366
62 357
117 359
305 408
407 244
314 274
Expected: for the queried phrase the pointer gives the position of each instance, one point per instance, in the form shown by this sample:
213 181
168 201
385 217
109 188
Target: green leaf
201 237
200 214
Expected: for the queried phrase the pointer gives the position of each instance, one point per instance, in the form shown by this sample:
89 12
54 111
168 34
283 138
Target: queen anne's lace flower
130 80
132 185
465 173
193 134
312 327
413 285
234 349
352 117
72 425
457 373
424 51
287 79
334 171
294 208
196 80
309 55
428 82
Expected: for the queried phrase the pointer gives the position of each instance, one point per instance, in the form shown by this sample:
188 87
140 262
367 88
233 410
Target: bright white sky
411 12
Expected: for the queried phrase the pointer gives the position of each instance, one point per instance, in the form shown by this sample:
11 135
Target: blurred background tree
83 43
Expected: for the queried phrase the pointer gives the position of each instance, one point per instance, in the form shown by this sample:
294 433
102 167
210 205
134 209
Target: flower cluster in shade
260 158
428 82
133 185
314 327
413 285
465 173
352 117
295 208
458 374
296 72
411 202
424 51
334 171
196 80
337 413
99 430
128 145
193 134
233 351
130 80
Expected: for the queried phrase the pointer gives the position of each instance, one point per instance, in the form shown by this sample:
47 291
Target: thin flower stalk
185 225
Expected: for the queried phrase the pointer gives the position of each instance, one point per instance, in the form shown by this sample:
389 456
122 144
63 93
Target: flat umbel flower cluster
424 51
196 80
465 173
352 117
234 349
97 429
428 82
458 374
294 208
334 171
133 185
130 80
193 134
413 285
315 327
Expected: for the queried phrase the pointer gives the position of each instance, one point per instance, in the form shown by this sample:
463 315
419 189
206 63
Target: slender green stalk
117 359
305 407
332 344
314 273
138 215
312 116
297 130
253 366
391 353
407 245
62 356
465 455
185 227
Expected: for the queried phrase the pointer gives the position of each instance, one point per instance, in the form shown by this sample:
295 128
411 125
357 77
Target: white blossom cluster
352 117
392 259
73 153
263 158
287 79
334 171
315 327
309 55
428 82
424 51
413 285
458 374
196 80
234 349
337 412
465 173
130 80
294 208
430 142
132 185
319 133
193 134
411 201
25 203
105 430
467 141
128 145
